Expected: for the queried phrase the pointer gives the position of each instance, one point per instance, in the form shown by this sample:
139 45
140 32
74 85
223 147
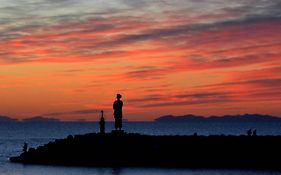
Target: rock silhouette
123 149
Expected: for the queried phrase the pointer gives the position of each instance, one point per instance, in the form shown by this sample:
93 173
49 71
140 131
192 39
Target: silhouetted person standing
249 132
25 147
117 106
255 132
102 124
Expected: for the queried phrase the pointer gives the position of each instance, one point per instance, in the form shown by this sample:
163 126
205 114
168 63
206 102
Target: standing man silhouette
117 106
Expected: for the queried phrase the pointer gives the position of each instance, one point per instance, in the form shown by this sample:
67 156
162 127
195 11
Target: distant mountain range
40 119
7 119
172 118
225 118
32 119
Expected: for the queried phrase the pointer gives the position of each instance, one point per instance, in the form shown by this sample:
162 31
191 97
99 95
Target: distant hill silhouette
225 118
40 119
7 119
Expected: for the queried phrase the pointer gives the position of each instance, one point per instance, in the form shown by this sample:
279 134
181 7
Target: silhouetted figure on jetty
255 132
25 147
249 132
102 123
117 106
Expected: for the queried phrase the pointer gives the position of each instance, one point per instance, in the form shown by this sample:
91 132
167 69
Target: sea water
13 135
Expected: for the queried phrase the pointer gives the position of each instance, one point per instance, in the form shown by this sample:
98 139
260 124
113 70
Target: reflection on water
116 171
17 169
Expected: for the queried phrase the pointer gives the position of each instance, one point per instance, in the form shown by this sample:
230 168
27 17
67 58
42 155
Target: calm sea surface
13 135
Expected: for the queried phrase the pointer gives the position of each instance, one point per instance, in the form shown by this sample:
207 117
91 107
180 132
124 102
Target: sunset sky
67 59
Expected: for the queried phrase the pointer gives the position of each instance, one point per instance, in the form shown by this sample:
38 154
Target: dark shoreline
136 150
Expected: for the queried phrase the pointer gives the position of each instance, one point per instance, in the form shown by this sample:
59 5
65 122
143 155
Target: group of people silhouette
118 115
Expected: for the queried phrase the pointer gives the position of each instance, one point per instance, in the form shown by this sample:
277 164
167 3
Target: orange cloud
223 63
